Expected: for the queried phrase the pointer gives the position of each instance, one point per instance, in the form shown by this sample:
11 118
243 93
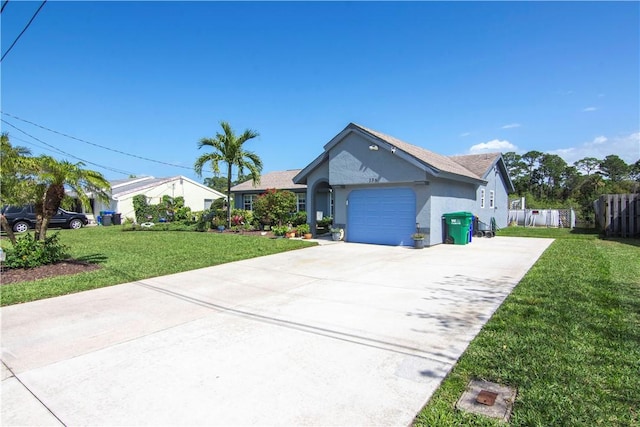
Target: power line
16 138
22 32
98 145
68 154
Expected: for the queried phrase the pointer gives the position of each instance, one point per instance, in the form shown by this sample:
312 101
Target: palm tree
16 180
53 176
227 148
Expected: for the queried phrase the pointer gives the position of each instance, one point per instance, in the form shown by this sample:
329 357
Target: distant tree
227 148
634 172
552 167
588 165
218 183
517 171
571 179
514 164
614 168
531 160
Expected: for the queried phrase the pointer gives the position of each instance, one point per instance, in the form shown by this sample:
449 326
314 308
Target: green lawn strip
129 256
554 233
568 338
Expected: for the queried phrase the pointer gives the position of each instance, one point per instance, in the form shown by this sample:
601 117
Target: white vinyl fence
559 218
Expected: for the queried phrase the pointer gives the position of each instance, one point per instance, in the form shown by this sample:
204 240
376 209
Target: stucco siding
194 197
315 204
352 162
446 197
500 209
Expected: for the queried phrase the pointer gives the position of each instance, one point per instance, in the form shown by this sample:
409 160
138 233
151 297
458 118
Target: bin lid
458 214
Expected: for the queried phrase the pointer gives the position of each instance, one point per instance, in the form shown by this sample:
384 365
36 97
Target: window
302 201
482 199
492 199
247 201
207 204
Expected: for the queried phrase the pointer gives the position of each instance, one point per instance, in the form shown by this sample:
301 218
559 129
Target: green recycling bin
458 225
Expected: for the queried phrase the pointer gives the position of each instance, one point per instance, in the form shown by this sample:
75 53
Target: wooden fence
618 215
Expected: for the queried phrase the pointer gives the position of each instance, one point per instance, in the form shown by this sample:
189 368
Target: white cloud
511 126
597 140
626 146
493 145
588 109
465 134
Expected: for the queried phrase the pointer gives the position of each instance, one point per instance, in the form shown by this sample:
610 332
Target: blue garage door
384 216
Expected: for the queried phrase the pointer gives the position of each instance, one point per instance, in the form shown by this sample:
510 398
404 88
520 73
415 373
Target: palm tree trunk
43 229
52 199
7 229
38 226
229 196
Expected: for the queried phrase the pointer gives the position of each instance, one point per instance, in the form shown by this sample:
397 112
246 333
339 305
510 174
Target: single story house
245 193
381 190
197 196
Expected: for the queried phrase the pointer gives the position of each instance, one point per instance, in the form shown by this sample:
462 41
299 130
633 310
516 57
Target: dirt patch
64 268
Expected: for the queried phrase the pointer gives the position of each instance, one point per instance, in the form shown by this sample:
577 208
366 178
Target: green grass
129 256
568 338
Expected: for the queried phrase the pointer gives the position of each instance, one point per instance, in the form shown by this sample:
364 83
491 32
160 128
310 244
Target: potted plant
279 230
336 234
304 230
418 240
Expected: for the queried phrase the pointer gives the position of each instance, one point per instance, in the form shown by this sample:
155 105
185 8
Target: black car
22 218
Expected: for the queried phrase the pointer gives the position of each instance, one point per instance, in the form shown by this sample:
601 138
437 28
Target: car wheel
74 224
21 226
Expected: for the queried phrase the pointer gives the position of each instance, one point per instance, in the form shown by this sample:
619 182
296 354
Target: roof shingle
477 163
282 180
443 163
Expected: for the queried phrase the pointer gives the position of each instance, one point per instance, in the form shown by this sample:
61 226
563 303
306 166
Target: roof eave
301 177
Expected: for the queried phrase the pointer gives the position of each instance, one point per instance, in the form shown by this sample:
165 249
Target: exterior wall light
373 147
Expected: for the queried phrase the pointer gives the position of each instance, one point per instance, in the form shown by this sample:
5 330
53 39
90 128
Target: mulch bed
64 268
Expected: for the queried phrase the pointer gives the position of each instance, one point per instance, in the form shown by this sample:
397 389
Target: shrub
162 226
299 218
325 222
303 229
247 216
279 230
275 206
29 252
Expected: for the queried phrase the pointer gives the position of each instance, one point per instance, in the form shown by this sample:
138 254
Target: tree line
547 181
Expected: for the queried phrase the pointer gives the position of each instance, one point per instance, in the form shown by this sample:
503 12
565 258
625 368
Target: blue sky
152 78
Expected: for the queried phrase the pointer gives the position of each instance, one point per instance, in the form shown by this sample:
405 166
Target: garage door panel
382 216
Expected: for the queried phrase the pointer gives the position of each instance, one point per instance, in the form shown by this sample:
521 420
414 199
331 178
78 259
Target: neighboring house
246 192
197 196
381 189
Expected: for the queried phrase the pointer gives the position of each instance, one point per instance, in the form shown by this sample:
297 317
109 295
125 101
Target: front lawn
568 338
129 256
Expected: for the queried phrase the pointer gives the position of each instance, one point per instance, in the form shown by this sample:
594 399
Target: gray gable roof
479 164
282 180
438 161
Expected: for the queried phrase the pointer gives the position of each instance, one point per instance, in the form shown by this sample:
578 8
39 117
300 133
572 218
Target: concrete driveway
339 334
